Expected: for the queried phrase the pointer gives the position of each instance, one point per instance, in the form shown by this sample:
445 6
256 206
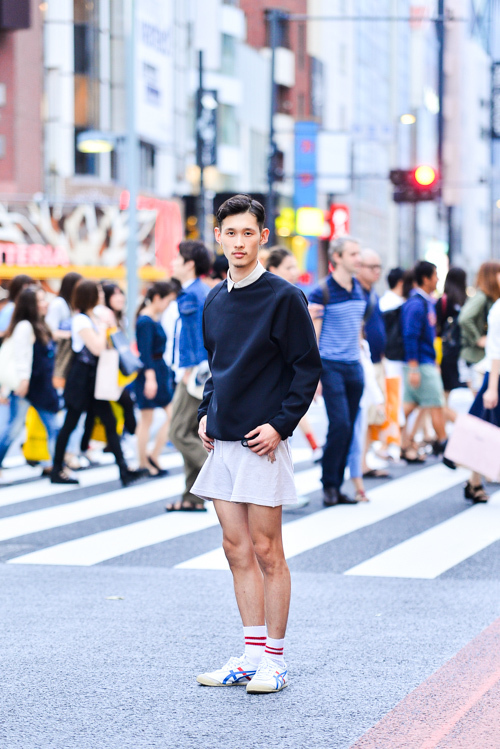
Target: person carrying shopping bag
88 337
26 368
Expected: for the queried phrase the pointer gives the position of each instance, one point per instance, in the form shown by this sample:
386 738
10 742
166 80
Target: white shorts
236 474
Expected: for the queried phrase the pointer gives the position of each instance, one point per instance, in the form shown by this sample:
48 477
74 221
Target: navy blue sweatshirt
263 357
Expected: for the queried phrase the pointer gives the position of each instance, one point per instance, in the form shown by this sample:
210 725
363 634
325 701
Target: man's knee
239 551
269 554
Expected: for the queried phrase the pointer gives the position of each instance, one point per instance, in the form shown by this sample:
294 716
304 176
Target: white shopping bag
475 444
106 381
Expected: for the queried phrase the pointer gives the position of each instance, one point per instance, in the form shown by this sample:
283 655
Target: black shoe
59 477
330 497
438 448
475 493
161 471
449 463
345 500
128 477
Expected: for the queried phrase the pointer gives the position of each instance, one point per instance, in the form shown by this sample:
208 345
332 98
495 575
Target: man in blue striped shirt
337 307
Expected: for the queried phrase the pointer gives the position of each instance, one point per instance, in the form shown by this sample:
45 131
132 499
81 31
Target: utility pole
444 210
199 148
274 17
132 166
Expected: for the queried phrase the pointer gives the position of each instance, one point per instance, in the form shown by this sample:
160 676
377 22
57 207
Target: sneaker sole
263 689
208 682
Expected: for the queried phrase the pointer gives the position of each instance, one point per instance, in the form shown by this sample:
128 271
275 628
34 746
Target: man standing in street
338 320
423 386
193 261
265 368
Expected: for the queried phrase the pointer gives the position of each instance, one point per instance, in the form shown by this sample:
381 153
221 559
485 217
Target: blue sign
305 186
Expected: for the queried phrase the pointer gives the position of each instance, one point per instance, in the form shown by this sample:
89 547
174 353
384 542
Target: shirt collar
187 284
251 278
423 293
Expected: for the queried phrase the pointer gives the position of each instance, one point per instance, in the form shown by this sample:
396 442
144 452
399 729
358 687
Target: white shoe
270 677
235 672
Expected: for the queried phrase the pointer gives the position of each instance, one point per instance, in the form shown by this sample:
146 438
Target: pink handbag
475 444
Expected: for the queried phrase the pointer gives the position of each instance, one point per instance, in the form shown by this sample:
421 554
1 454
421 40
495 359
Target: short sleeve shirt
78 323
342 320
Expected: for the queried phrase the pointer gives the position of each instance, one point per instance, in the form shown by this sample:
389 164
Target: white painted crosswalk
424 555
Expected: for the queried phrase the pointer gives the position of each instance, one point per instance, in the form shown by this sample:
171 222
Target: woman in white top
59 314
28 343
487 403
88 336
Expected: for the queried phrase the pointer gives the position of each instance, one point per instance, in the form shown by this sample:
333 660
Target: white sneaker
269 677
235 672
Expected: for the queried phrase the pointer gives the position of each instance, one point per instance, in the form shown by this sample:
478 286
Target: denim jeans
18 408
342 390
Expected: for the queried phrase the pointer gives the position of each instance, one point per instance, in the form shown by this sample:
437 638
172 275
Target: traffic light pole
273 17
132 168
199 148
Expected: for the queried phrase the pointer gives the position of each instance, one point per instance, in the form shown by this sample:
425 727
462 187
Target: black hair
17 284
85 295
455 288
159 288
276 257
394 276
108 290
220 266
241 204
192 249
422 270
27 309
408 282
67 285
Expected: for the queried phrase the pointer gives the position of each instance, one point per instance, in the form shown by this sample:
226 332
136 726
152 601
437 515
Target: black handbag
129 362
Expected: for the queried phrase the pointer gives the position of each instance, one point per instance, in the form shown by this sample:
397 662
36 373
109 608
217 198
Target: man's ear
217 234
264 236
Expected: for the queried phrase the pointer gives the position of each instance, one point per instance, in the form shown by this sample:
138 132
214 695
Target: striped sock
274 650
255 642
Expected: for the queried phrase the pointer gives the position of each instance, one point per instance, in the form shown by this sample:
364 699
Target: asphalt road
110 607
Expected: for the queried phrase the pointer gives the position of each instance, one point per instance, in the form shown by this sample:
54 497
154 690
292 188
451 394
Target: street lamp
408 119
95 141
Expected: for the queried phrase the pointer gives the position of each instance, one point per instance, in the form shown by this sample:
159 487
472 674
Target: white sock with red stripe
255 642
274 650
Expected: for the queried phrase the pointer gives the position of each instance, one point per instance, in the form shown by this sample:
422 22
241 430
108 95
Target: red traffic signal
415 185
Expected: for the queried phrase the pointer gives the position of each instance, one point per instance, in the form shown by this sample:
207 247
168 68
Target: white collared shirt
251 278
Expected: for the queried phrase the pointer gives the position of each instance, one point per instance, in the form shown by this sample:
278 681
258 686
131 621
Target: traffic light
415 185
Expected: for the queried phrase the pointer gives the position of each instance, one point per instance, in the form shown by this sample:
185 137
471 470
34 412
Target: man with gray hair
337 307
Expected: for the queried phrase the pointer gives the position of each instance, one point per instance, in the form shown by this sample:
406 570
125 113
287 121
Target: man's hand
490 399
266 442
208 442
414 378
23 388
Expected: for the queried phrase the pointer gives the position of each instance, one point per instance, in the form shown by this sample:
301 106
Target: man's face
181 269
240 239
370 269
433 281
350 260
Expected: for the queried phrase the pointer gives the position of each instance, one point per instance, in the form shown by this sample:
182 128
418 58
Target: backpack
394 348
449 329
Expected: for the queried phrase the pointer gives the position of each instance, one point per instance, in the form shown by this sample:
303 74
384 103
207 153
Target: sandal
475 493
160 471
410 454
361 496
376 473
185 505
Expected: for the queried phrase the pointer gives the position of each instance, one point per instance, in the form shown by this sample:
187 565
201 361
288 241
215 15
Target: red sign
337 218
33 254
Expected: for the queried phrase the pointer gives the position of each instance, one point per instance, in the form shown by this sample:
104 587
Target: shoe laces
233 663
267 668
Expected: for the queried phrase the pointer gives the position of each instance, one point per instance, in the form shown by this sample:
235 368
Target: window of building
86 77
235 3
283 33
85 163
301 51
228 54
228 128
147 160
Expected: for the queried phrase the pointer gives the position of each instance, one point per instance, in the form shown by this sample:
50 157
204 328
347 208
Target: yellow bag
99 433
35 447
438 348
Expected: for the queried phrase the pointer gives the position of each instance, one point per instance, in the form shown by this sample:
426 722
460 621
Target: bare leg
265 530
438 422
239 550
142 432
161 438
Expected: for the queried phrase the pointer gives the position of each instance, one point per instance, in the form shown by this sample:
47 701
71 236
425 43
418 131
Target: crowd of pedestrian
389 364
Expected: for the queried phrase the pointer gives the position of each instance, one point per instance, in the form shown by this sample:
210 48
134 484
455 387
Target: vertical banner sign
305 183
154 70
206 128
495 100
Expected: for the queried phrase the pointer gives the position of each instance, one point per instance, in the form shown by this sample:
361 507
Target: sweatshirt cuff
280 427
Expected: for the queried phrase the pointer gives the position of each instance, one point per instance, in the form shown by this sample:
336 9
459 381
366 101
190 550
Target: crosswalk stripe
85 509
115 542
440 548
10 495
321 527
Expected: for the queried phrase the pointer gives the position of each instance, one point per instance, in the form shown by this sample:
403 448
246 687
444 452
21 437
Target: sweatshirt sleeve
413 320
294 333
208 390
470 317
24 338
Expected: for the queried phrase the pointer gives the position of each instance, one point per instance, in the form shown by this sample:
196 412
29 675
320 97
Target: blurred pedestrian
218 272
153 386
265 368
341 305
422 382
59 313
33 359
390 304
88 336
193 261
487 402
374 332
17 284
473 319
448 329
